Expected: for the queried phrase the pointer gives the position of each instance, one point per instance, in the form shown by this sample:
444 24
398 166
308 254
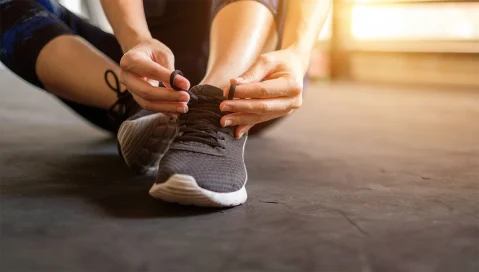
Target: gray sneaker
204 165
143 136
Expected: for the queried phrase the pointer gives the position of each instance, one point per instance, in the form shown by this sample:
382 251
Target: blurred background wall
429 42
90 9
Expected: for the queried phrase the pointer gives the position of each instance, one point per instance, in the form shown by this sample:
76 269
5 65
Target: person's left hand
270 89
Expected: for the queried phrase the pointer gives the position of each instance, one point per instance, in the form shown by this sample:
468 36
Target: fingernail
181 109
241 135
228 123
182 82
183 97
226 108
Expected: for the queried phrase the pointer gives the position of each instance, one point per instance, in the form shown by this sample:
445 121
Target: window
437 21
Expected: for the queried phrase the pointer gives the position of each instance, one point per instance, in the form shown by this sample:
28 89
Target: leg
236 44
208 36
76 77
213 50
42 44
228 57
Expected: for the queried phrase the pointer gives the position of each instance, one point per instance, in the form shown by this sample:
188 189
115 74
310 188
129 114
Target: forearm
304 20
127 18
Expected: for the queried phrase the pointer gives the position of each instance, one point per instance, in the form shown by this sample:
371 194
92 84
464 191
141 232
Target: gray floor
362 178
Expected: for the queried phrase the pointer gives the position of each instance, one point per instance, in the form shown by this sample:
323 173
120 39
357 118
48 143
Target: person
245 59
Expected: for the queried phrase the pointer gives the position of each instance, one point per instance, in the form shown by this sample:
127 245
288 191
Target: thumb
257 72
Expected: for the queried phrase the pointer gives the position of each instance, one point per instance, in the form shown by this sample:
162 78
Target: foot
143 136
204 165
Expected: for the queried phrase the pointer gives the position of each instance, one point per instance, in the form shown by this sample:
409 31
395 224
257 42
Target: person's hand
143 67
270 89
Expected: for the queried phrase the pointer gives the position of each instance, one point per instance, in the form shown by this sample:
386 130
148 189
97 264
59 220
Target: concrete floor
362 178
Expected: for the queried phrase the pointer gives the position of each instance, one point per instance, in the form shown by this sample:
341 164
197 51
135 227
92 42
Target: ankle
220 83
219 78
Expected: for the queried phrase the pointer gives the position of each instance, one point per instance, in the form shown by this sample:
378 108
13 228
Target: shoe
204 165
143 136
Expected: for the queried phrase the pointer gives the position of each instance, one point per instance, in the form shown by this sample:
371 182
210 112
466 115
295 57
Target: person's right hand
143 67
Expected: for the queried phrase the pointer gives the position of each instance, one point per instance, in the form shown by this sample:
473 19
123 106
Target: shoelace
172 84
124 103
202 122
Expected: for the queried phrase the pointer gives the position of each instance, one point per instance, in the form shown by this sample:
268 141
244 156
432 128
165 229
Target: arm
274 83
128 21
146 61
304 20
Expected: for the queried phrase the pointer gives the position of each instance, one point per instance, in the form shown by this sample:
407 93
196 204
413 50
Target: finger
156 106
171 114
280 87
241 130
261 106
259 70
143 66
144 90
235 119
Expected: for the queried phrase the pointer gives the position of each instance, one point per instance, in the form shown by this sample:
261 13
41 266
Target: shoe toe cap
217 174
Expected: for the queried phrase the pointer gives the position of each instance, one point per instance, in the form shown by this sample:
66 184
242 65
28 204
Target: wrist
301 53
130 40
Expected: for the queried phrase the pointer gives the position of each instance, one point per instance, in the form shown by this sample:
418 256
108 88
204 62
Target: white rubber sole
144 141
183 189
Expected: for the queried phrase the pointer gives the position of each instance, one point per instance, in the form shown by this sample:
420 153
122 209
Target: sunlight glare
418 22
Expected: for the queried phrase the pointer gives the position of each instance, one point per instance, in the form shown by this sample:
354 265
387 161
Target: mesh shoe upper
203 149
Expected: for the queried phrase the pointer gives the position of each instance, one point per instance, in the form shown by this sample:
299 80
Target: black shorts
26 26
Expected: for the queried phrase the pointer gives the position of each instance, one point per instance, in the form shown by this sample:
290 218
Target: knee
273 6
52 6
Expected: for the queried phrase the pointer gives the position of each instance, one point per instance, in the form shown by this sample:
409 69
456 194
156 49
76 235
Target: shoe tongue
207 90
206 105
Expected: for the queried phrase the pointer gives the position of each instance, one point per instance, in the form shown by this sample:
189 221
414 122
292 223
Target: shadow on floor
93 172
